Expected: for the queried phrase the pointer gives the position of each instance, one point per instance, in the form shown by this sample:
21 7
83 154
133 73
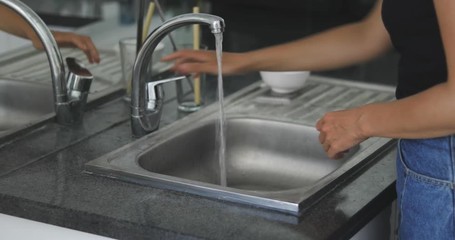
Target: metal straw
161 14
140 25
174 47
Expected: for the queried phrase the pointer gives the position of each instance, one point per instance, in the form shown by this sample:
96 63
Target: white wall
14 228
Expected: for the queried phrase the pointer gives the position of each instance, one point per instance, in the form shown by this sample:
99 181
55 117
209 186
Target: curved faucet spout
68 109
146 103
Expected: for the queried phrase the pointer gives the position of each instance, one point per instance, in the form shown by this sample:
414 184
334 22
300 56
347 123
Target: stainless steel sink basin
270 164
261 155
273 156
22 103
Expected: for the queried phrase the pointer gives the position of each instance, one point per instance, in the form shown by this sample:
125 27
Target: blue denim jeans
425 188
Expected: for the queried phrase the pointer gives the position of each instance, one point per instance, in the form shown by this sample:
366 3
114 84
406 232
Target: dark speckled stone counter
42 178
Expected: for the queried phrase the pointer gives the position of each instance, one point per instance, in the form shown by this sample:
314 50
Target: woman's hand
194 61
84 43
14 24
340 131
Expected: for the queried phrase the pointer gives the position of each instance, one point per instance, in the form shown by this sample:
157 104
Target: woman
423 116
12 23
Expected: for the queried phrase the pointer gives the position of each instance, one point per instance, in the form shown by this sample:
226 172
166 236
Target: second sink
22 103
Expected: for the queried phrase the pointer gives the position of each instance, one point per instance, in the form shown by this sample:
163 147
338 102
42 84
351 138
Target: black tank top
414 31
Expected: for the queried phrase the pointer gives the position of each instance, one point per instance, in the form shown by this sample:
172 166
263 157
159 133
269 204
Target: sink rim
291 201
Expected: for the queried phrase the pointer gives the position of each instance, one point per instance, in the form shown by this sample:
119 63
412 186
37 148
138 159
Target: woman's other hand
69 39
339 131
84 43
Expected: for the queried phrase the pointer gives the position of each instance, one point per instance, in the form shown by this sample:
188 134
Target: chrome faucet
147 97
70 91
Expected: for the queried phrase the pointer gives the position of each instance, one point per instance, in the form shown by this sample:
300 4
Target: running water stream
221 127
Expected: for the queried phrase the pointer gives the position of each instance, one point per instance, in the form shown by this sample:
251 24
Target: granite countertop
42 178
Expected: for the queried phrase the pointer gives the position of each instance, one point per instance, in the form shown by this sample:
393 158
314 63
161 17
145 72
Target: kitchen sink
23 103
273 156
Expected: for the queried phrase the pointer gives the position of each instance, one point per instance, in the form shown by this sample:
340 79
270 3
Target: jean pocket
409 171
426 210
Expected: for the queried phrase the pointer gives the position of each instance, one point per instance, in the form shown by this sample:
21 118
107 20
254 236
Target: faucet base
139 130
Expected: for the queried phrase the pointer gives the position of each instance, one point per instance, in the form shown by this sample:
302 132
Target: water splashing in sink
221 128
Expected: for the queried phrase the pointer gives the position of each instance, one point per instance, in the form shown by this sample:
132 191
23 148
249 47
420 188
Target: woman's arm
14 24
430 113
338 47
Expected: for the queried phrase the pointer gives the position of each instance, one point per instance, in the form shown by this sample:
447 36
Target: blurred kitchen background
250 24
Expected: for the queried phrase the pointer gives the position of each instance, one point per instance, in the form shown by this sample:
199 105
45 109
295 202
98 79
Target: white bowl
285 82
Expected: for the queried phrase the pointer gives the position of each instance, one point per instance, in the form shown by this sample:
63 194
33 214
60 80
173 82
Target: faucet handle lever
154 91
79 78
151 93
161 81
